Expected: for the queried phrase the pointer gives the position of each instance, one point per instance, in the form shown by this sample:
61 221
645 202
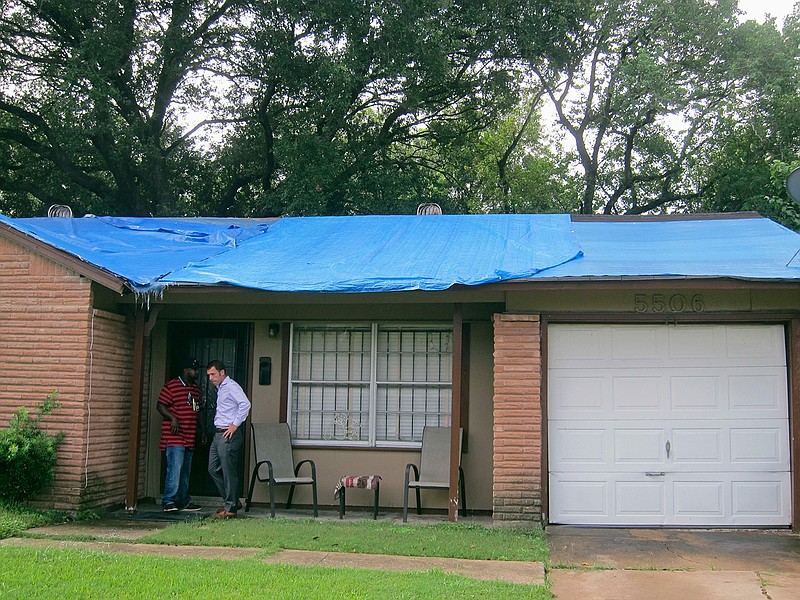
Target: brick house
619 371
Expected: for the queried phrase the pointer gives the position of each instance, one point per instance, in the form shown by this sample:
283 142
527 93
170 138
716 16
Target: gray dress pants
224 467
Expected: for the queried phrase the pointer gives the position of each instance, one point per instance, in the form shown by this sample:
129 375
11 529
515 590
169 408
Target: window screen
369 384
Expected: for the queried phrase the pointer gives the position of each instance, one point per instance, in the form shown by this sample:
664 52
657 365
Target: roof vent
429 209
59 210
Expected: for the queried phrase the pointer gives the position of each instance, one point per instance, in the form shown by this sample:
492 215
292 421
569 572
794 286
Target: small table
365 482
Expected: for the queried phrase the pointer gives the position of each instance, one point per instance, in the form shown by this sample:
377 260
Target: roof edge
672 217
101 276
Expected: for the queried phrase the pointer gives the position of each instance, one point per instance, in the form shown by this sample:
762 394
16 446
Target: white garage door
683 425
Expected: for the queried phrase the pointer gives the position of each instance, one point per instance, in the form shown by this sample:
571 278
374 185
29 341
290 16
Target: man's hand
229 431
175 427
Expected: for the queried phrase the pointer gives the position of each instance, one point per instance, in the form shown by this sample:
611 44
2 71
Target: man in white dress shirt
226 447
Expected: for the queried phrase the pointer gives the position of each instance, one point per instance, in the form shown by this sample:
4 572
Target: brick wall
517 469
108 409
52 339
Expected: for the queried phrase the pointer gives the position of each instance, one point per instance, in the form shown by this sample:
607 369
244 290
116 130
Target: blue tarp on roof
746 248
390 253
140 251
432 252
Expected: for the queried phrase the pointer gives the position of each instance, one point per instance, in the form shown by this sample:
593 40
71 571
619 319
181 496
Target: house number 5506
675 303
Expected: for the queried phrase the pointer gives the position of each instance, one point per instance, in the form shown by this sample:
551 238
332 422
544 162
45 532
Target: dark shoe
191 506
170 508
225 515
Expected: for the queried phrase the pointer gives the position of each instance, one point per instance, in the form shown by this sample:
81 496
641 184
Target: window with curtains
369 384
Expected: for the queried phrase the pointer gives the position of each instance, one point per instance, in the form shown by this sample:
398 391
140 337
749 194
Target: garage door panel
640 447
697 343
581 499
580 447
757 345
668 425
765 389
762 447
673 499
754 499
642 393
642 344
581 394
591 394
680 345
592 499
698 501
579 345
676 393
698 391
630 446
697 445
641 499
637 446
746 500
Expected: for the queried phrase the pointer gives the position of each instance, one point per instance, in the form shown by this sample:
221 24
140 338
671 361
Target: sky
758 9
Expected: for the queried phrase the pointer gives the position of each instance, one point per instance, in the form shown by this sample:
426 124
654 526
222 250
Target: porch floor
150 510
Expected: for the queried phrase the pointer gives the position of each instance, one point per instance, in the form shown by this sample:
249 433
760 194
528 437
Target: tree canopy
262 108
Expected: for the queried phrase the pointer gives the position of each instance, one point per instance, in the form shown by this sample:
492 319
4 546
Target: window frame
373 384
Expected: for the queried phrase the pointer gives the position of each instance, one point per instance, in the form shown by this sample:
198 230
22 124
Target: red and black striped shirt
184 402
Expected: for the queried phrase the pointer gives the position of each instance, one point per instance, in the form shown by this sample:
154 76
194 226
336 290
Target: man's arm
243 405
166 414
234 390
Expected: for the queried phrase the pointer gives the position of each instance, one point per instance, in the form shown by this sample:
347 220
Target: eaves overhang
101 276
643 281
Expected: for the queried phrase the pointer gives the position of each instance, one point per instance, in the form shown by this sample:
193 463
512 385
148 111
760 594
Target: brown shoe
225 515
221 509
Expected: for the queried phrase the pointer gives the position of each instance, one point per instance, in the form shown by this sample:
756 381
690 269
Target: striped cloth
367 482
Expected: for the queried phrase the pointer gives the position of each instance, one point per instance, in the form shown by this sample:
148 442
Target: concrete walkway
585 563
526 573
665 564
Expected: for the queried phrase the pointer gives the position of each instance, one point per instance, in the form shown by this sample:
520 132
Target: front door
228 342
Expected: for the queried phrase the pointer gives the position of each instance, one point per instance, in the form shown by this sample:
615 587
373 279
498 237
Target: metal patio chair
275 466
434 468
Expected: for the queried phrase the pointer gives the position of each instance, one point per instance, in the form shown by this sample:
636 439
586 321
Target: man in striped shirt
178 404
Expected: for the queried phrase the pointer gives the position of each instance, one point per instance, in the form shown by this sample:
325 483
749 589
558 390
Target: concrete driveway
656 564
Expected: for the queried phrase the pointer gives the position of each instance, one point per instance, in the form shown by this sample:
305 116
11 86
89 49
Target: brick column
517 464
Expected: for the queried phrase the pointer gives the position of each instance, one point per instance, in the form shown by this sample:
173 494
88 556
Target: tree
88 111
355 104
509 167
646 88
750 166
322 107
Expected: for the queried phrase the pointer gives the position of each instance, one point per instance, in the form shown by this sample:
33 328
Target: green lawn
60 574
445 540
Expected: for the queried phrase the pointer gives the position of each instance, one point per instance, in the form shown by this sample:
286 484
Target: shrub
28 454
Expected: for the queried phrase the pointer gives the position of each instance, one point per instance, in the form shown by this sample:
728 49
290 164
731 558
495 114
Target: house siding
108 409
51 339
517 473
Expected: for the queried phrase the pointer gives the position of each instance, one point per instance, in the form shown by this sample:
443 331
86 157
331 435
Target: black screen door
205 341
